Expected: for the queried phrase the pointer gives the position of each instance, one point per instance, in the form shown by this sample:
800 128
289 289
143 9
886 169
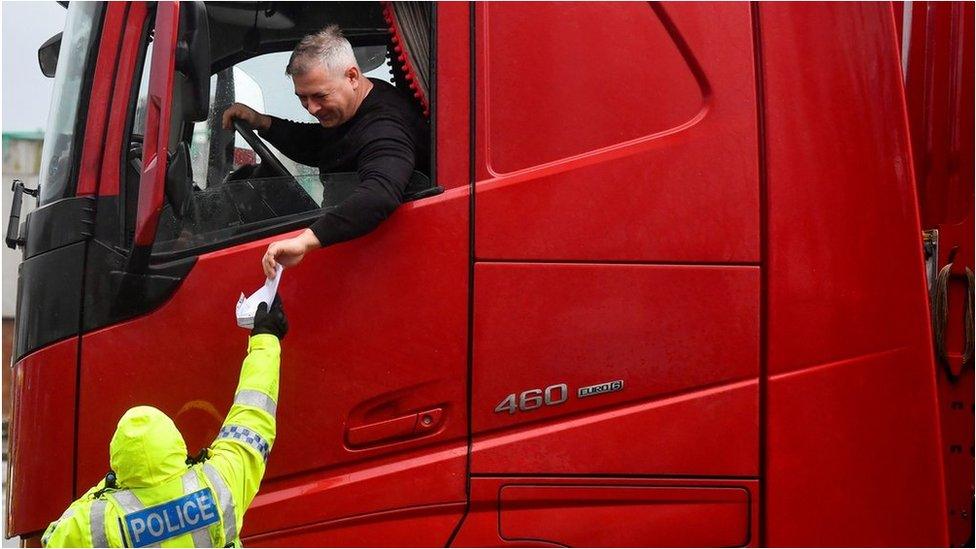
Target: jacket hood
147 448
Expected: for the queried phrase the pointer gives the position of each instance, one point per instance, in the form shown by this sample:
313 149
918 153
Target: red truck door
617 275
372 417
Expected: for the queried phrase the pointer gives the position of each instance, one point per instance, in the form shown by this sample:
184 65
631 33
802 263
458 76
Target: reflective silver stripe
226 503
97 524
129 504
127 501
257 399
201 536
247 436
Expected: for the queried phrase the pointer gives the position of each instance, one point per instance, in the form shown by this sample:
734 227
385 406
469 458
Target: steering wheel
267 157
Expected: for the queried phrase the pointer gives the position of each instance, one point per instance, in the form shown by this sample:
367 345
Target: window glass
139 121
232 192
57 154
261 83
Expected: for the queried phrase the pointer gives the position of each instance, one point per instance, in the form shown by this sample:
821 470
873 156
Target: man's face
330 99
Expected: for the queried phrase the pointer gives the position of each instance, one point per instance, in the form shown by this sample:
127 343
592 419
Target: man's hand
271 321
241 111
288 252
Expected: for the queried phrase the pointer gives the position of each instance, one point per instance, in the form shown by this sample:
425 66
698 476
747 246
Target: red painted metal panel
853 457
684 340
41 460
956 382
707 432
453 94
849 342
939 88
377 332
673 133
131 49
590 108
841 162
899 12
429 526
625 515
158 105
494 513
939 83
348 492
101 92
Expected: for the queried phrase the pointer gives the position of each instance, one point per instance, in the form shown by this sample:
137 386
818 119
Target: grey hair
327 48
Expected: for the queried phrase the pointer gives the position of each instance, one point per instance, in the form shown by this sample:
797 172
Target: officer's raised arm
240 452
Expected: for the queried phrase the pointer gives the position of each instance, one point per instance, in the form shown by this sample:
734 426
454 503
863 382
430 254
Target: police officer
155 495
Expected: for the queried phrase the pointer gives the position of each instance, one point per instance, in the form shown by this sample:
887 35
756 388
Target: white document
248 307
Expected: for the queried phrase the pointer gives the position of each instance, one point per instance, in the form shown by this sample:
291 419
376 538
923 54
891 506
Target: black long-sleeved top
383 142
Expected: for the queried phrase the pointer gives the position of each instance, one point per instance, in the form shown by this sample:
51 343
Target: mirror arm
14 238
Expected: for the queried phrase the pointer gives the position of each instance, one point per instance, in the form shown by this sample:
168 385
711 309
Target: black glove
270 321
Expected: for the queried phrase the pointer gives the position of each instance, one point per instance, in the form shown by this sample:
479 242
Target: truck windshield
58 153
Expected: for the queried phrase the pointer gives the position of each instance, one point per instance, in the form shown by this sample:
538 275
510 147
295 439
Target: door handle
391 430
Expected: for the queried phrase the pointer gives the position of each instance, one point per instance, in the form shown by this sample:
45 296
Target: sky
26 92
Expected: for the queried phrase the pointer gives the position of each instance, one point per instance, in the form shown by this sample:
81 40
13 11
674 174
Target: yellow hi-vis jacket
159 500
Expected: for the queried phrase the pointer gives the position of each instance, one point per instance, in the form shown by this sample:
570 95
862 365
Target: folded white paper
248 307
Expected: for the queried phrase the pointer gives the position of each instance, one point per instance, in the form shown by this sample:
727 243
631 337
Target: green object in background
22 152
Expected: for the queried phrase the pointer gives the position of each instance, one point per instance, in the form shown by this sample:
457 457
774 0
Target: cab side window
224 187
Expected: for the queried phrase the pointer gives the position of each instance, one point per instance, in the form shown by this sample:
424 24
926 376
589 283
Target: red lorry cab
663 283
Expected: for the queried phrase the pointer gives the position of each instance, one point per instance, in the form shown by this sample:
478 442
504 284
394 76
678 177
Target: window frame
128 223
259 229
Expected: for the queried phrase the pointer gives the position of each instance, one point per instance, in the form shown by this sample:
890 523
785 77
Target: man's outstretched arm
385 165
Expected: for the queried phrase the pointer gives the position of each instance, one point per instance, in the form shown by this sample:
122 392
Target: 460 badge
553 395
